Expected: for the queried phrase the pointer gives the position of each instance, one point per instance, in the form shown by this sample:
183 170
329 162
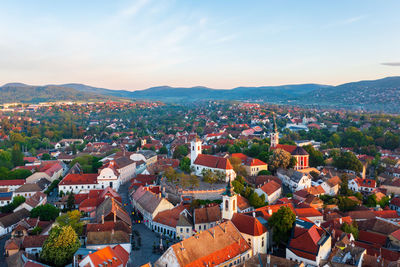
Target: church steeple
274 135
229 202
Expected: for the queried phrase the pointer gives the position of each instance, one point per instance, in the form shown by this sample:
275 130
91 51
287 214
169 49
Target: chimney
102 218
340 220
269 211
254 214
159 195
115 216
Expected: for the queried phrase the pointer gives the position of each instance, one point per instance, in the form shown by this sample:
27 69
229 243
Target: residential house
11 185
149 204
32 244
331 186
309 243
222 245
107 256
252 165
39 198
27 190
293 179
5 198
76 182
206 218
253 231
108 234
362 185
272 191
8 222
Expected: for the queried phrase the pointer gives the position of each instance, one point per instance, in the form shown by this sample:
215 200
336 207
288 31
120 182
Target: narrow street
148 238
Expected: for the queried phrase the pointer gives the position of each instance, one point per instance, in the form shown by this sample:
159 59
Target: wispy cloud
391 64
352 20
134 8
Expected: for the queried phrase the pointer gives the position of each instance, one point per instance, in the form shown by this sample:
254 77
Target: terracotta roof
306 239
270 187
34 241
211 247
372 238
387 214
395 201
108 226
207 215
248 224
78 178
169 217
12 182
28 188
242 203
396 234
316 190
267 211
110 206
105 254
107 238
213 162
335 180
308 212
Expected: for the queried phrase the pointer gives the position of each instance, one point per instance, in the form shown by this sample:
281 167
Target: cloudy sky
222 44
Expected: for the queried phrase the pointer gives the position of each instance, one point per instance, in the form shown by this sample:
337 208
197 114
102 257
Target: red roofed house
222 245
252 166
75 182
202 162
309 243
253 231
272 191
362 185
11 185
116 256
395 204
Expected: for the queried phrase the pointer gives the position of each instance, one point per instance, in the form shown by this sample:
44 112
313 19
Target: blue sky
221 44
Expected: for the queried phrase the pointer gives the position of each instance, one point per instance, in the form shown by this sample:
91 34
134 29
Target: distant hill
18 92
379 95
374 95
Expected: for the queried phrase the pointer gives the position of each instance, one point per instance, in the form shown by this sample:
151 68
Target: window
181 230
187 230
226 205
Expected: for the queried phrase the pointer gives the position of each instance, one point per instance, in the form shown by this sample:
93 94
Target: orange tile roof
248 224
308 212
169 217
288 148
77 178
213 162
270 187
211 247
103 255
242 203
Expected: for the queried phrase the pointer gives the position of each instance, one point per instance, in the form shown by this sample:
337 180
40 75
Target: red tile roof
169 217
248 224
270 187
371 238
105 254
288 148
12 182
213 162
387 214
308 212
77 178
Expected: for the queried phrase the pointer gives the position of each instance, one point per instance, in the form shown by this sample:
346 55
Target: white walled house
272 191
202 162
255 233
294 180
109 176
12 185
75 182
331 186
362 185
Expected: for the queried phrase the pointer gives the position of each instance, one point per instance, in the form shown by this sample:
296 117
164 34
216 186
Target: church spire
275 127
229 189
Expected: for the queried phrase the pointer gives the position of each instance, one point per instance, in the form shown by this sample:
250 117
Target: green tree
46 156
37 230
350 229
180 152
184 164
163 150
316 157
257 201
346 204
46 212
347 161
73 219
264 172
281 223
60 247
71 201
279 159
18 200
17 158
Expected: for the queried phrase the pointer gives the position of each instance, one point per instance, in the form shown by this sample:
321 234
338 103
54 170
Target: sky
138 44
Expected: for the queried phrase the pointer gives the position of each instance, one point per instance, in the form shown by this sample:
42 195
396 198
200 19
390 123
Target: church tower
229 202
195 149
275 135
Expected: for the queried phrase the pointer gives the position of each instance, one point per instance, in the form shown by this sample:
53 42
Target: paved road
145 253
3 240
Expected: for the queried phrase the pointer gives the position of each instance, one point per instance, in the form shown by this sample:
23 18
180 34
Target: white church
201 161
